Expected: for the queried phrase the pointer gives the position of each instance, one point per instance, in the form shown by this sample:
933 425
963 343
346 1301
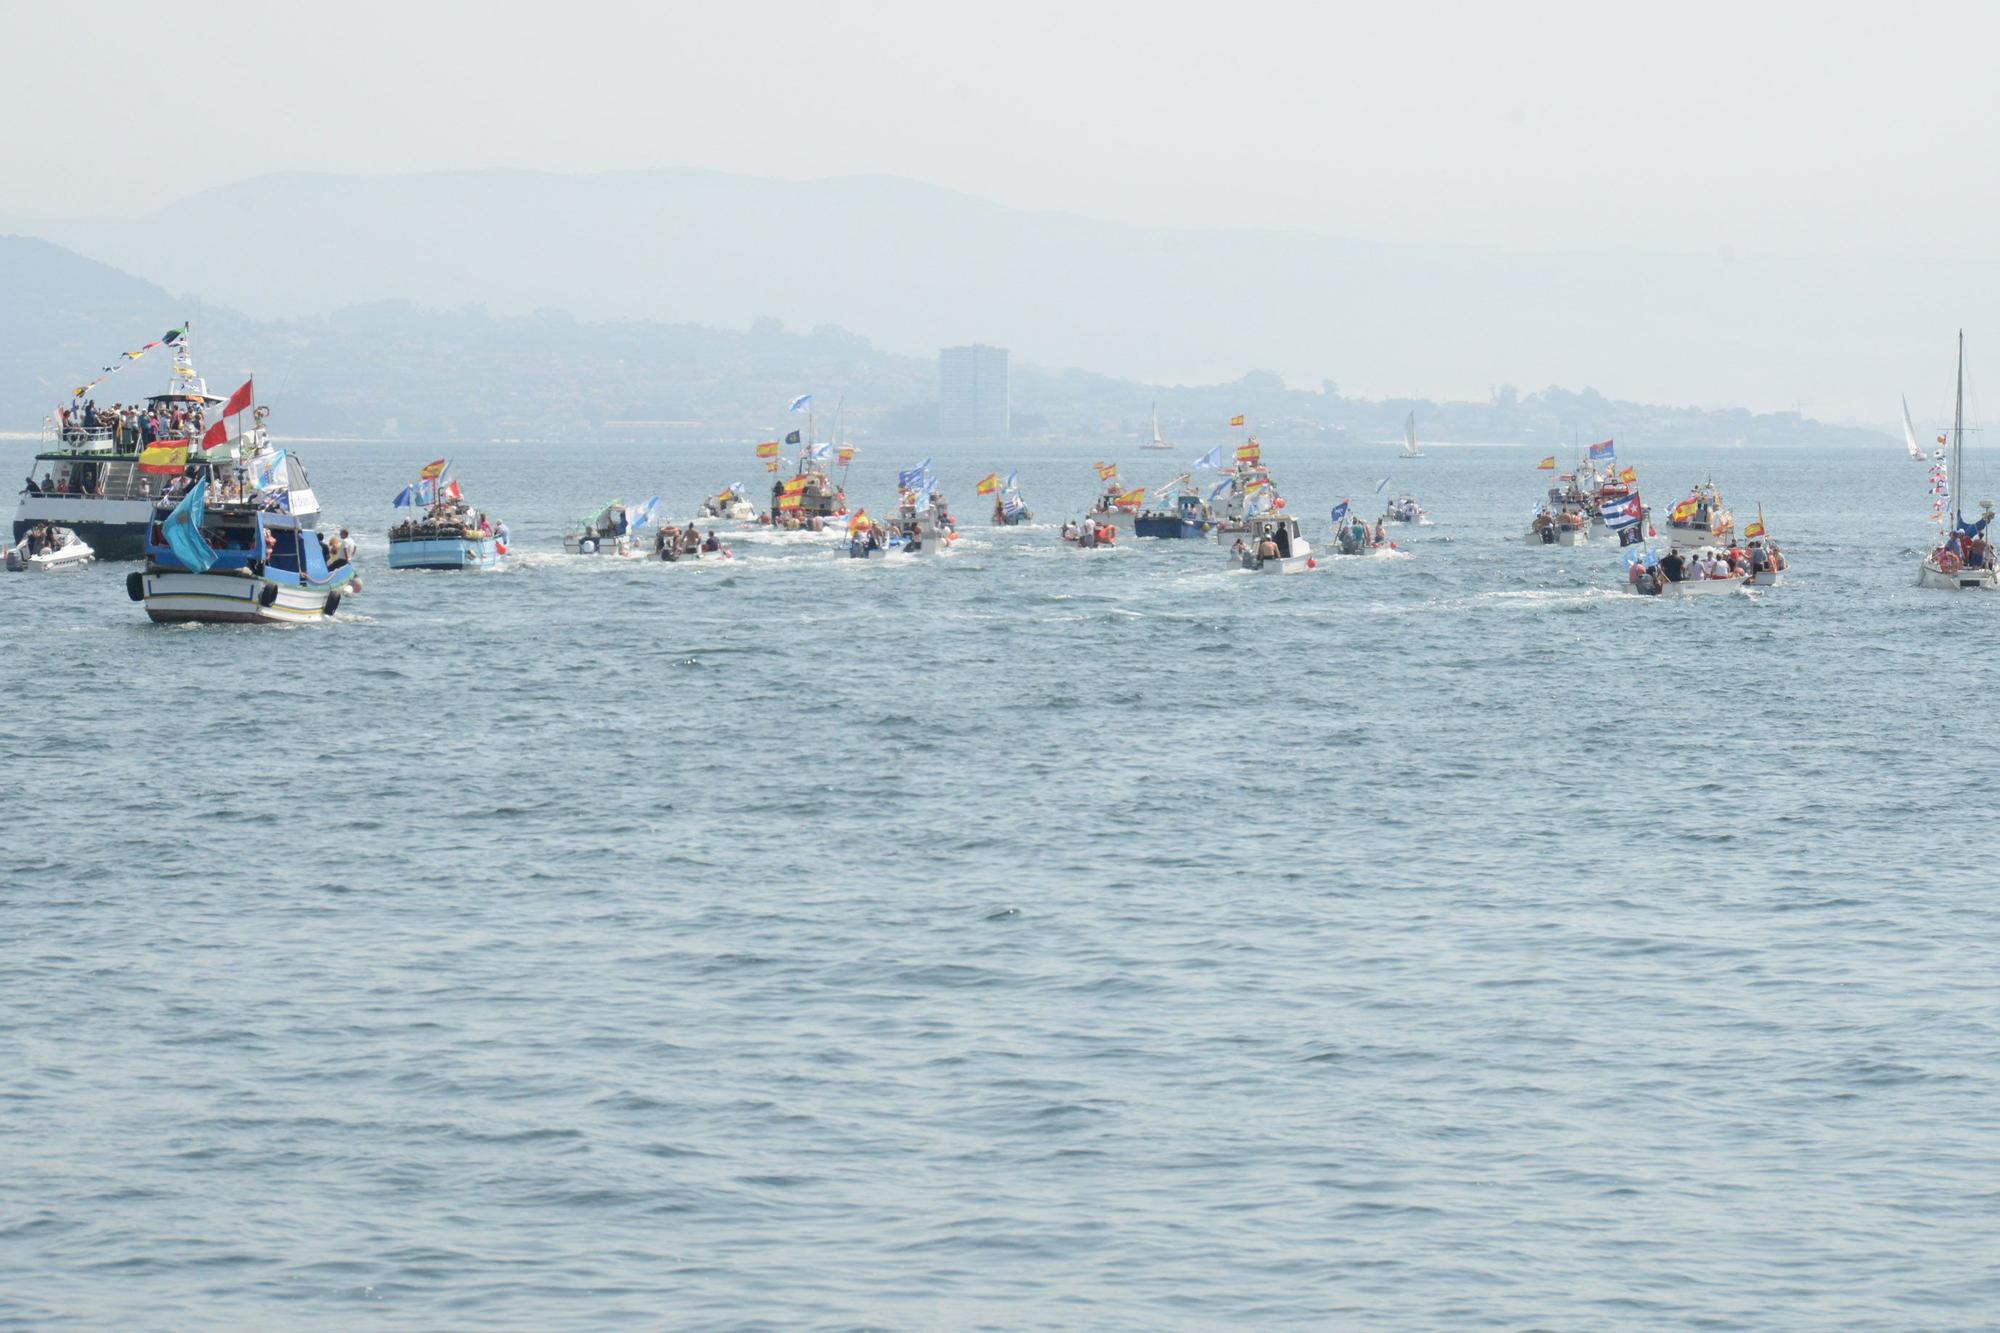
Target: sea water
1025 936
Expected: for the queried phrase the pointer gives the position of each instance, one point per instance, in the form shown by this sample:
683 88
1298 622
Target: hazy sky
1781 128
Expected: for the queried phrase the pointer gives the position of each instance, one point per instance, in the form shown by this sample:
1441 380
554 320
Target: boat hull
575 544
116 529
1286 564
1960 580
1154 525
1693 588
445 553
178 597
1556 537
1689 538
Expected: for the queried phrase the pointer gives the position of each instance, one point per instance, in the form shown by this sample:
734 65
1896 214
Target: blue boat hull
445 553
1156 525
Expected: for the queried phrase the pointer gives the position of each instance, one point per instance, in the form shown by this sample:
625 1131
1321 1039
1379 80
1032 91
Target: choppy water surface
1022 937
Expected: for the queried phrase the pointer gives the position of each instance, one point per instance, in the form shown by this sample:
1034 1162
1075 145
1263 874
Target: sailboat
1962 558
1910 432
1158 442
1410 449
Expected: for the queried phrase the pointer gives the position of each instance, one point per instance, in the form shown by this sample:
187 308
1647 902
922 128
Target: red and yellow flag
846 454
1106 471
1236 420
1133 498
1629 475
768 449
1755 529
1547 464
164 459
771 466
988 483
432 471
1249 453
1682 512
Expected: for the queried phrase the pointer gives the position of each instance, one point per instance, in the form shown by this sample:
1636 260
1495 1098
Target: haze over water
1022 937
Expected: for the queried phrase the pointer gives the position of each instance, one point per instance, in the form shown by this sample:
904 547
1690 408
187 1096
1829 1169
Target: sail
1910 431
1410 432
1156 425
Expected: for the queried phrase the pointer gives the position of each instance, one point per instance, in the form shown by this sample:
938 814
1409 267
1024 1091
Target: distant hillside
920 267
366 370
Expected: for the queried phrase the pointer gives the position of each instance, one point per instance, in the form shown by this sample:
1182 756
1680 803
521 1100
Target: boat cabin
256 540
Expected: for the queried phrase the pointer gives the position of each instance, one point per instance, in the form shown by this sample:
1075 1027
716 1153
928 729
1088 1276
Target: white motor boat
1558 529
929 531
1274 545
1406 510
59 549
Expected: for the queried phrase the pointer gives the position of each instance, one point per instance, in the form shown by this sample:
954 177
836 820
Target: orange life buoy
1949 562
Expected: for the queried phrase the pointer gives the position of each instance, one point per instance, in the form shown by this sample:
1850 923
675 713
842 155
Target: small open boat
46 548
1274 545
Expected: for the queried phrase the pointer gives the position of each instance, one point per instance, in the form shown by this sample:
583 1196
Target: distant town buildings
972 393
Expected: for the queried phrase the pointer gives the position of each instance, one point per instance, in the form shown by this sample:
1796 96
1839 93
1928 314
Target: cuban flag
1339 512
1623 513
800 403
1601 453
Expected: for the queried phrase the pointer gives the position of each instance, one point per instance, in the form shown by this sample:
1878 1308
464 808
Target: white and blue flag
1211 459
1339 512
918 476
800 403
1380 484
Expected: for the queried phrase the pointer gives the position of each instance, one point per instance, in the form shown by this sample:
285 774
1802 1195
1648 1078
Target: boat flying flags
1208 461
182 530
768 449
1236 420
433 471
1601 452
801 403
988 483
1547 464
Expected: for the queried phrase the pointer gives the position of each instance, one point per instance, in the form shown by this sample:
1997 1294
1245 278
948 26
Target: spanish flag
1106 471
1236 420
432 471
1133 498
771 466
1249 453
1547 464
1682 512
989 483
164 459
768 449
1629 475
860 521
846 454
1755 529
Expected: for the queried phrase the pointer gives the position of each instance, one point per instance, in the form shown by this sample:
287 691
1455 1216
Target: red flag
215 435
453 491
237 401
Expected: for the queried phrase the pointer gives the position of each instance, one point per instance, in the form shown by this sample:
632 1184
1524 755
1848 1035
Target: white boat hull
1556 537
1986 579
577 544
1697 587
234 598
1286 564
72 554
1690 538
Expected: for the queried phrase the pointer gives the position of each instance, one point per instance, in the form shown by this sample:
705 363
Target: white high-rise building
972 393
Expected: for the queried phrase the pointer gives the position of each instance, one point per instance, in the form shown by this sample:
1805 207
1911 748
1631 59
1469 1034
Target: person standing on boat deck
346 547
1671 564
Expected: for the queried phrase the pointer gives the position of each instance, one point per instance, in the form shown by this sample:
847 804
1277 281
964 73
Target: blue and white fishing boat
1189 518
241 560
446 532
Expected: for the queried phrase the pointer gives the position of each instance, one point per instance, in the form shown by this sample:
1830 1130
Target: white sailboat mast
1958 441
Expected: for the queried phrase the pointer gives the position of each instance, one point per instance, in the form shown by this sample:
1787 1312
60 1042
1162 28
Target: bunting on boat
171 338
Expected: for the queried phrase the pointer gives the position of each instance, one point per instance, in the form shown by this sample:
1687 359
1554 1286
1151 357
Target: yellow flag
1236 420
989 483
1547 464
1629 475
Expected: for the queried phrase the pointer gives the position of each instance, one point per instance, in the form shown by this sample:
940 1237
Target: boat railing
79 439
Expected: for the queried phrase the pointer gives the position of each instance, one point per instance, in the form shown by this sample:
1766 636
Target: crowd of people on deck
671 543
1090 532
1966 549
132 428
1759 556
450 519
